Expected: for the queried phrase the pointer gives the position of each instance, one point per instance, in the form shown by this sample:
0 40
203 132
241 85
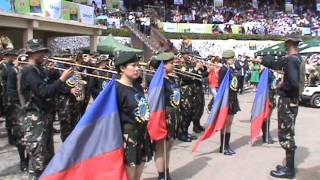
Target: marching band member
172 103
134 114
35 95
225 135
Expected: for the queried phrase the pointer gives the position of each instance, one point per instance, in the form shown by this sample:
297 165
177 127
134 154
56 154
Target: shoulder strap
19 89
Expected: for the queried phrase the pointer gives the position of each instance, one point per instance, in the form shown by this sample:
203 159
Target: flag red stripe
97 168
256 124
218 124
157 125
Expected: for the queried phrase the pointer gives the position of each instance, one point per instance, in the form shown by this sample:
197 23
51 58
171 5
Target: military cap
125 58
35 45
294 36
228 54
11 52
164 56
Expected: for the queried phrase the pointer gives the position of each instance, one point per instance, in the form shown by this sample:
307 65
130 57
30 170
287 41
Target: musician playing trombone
36 98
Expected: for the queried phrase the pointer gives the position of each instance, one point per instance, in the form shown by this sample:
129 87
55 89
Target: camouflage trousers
198 104
38 138
287 113
192 105
69 113
186 108
137 144
173 118
13 115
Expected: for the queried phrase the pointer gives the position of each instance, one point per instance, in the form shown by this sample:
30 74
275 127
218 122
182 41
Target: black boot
287 171
10 138
184 138
168 174
227 144
196 129
227 151
221 142
24 160
162 175
192 137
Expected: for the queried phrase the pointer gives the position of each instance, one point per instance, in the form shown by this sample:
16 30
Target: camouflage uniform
287 113
6 67
38 138
172 102
198 104
136 144
5 44
68 114
289 91
13 115
87 95
37 99
186 107
192 103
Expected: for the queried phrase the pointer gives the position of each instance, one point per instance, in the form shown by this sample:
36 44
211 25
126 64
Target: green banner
208 28
183 28
70 11
235 29
85 2
22 6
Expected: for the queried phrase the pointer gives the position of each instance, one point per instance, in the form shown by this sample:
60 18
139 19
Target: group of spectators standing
267 19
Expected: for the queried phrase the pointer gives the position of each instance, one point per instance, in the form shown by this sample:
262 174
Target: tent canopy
111 46
280 49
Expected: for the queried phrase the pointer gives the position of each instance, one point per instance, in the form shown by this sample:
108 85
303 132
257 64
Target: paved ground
250 162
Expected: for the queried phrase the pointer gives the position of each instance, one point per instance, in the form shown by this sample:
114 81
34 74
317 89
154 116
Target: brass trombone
82 73
62 61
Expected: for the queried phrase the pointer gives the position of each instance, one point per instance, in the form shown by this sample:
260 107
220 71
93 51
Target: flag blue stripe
158 78
107 98
221 99
156 104
156 90
262 94
94 137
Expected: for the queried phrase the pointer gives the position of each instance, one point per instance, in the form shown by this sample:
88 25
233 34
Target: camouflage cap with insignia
228 54
122 58
35 45
164 56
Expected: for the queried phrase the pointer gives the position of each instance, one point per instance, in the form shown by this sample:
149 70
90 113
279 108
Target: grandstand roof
64 27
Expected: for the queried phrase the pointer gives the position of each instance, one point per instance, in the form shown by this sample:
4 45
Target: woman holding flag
134 114
172 116
229 61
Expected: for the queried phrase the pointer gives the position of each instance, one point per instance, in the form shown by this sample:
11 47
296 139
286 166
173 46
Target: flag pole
267 131
224 138
165 158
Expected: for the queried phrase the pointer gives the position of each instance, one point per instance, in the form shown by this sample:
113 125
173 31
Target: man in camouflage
5 44
289 90
8 56
192 99
186 87
36 97
13 113
68 108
